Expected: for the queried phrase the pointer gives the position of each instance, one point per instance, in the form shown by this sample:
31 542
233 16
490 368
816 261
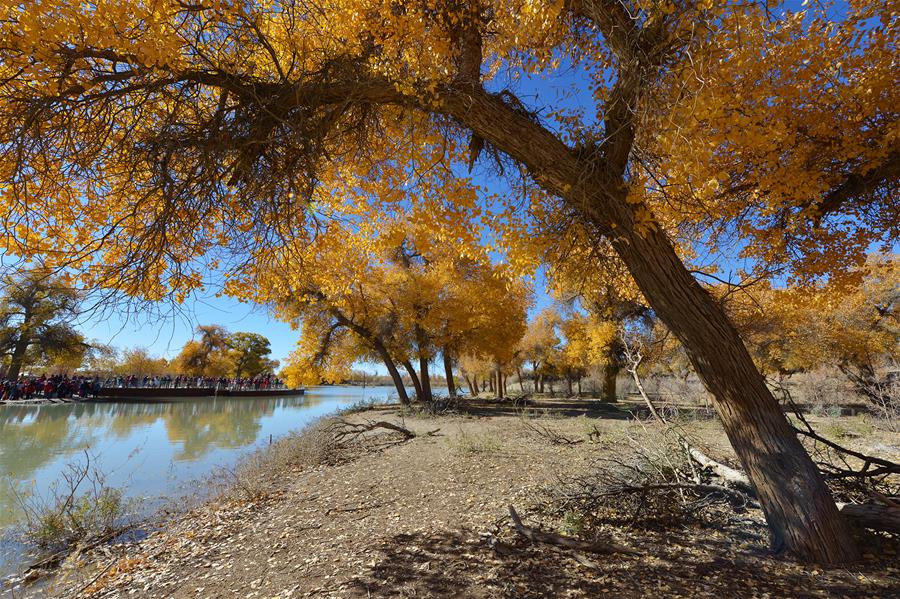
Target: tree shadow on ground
558 407
693 563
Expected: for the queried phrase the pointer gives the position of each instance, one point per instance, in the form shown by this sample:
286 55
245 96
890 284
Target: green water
155 451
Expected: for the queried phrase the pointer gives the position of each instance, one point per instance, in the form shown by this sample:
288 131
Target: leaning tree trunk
17 360
473 387
417 385
798 506
380 348
395 374
448 372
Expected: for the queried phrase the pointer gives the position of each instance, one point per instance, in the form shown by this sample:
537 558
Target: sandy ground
428 518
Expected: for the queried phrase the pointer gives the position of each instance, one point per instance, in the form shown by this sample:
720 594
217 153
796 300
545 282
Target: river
156 452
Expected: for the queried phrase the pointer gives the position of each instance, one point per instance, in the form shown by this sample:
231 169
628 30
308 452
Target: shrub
80 508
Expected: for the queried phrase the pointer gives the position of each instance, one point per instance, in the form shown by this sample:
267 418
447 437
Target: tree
539 342
249 354
139 362
36 314
850 325
588 340
395 294
136 138
101 359
208 356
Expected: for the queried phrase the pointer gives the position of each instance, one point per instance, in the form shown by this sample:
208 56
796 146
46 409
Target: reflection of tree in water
219 423
30 438
33 436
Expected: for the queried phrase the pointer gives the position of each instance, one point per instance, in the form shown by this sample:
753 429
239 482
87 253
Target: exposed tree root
348 431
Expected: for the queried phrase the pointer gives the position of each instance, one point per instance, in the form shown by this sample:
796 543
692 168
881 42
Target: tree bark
473 387
799 509
425 379
448 372
17 360
521 382
417 385
380 348
610 375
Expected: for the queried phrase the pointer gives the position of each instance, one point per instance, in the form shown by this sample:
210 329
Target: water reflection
152 449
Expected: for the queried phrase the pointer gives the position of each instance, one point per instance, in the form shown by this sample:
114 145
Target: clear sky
164 334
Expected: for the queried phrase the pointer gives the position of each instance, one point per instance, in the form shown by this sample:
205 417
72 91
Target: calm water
152 450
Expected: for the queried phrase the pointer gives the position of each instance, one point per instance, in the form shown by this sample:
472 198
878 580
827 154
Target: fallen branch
709 489
726 473
354 430
872 515
539 536
550 435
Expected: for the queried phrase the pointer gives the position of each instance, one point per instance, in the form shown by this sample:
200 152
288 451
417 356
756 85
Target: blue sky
164 335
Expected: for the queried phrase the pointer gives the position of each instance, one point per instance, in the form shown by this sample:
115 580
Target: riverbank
156 394
377 514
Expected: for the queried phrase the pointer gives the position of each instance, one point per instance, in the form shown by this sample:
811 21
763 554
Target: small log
539 536
872 515
726 473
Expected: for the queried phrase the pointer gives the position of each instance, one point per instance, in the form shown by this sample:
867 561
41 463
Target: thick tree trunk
17 360
473 387
425 379
521 382
448 372
798 506
490 382
610 374
395 374
417 385
569 386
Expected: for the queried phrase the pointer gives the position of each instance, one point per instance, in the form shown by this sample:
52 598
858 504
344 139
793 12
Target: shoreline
386 516
157 395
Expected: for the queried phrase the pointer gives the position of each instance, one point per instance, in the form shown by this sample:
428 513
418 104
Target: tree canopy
146 143
36 315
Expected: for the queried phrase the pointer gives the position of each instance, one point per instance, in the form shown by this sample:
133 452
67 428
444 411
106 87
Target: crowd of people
258 383
57 386
64 386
